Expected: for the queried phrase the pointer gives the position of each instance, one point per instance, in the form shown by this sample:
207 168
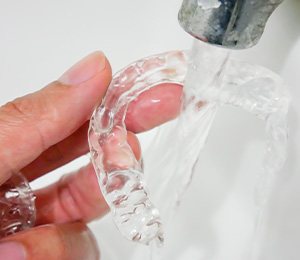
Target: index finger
156 106
31 124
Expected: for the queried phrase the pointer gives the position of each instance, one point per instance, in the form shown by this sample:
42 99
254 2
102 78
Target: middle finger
76 196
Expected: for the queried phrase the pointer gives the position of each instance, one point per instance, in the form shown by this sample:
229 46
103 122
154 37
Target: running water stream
211 79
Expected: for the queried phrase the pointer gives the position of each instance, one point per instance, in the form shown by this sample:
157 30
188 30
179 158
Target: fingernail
85 69
12 250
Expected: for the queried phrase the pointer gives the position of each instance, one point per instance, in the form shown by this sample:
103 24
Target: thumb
64 241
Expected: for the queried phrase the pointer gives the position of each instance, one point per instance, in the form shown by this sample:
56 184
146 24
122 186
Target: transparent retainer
17 208
123 185
250 87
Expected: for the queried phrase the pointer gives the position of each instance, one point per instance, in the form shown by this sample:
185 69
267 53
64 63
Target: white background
39 40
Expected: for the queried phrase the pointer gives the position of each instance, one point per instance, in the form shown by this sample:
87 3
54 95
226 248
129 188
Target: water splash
211 81
209 4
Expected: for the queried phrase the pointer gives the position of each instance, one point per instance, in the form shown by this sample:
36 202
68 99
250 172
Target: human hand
47 129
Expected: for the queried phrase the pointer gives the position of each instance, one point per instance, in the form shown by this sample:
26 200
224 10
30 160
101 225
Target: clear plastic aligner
252 88
17 209
122 182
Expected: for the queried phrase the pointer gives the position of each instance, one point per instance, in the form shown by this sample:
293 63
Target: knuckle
22 113
18 108
56 236
36 112
53 231
66 197
36 106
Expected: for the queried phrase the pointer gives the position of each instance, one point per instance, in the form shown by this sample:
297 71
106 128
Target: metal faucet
235 24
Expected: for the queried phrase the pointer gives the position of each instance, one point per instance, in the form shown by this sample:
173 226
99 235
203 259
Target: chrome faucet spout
235 24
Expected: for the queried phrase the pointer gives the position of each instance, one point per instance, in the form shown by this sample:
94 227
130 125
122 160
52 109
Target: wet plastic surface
17 209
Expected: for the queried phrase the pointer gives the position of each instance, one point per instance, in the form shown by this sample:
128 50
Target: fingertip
62 241
85 69
12 250
154 107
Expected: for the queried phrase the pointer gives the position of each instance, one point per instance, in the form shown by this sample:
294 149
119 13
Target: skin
47 129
